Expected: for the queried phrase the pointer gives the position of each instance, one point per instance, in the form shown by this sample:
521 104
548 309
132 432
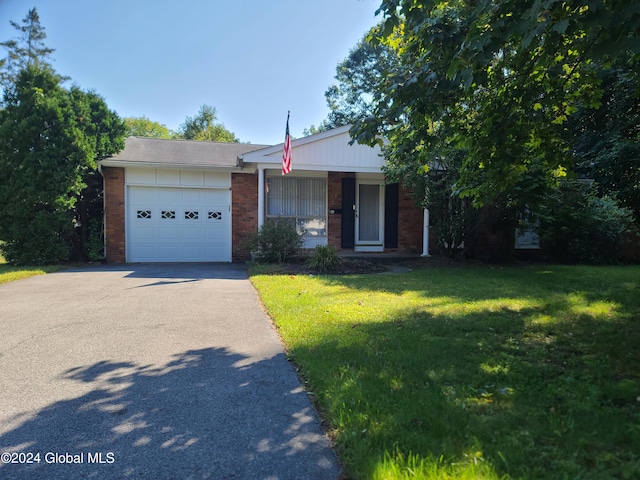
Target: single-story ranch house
188 201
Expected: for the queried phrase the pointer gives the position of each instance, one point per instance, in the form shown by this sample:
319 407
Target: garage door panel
192 196
170 196
215 197
170 253
144 195
193 234
169 233
168 224
142 234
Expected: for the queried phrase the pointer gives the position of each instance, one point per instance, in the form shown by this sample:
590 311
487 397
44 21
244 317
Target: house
187 201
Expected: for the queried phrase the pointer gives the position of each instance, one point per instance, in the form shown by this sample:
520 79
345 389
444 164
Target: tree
50 141
203 126
606 142
143 127
27 49
358 75
496 81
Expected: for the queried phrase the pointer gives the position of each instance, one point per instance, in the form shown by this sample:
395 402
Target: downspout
104 214
260 196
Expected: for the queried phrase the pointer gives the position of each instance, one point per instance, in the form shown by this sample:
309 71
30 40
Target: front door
369 217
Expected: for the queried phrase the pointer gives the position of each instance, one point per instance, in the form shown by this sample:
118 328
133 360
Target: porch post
260 196
425 235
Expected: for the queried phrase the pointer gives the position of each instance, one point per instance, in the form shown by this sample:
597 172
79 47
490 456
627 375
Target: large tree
203 126
606 142
28 48
50 141
496 82
143 127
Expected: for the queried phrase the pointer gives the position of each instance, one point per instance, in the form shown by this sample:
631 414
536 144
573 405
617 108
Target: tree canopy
28 48
203 126
496 82
50 141
143 127
51 138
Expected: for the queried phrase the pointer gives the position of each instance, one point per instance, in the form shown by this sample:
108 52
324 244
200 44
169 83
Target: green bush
577 225
277 241
324 259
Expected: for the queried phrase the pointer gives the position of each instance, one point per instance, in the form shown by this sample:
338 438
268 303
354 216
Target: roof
143 151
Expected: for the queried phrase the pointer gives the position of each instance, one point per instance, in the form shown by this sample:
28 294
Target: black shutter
348 212
391 216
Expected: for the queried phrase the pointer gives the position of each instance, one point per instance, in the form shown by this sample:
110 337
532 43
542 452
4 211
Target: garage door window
144 214
190 215
169 214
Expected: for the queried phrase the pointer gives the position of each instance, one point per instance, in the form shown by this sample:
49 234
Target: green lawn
10 273
470 372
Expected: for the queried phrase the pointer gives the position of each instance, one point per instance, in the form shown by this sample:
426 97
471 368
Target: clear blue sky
251 59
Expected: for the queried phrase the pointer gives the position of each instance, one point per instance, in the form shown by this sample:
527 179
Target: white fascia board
166 166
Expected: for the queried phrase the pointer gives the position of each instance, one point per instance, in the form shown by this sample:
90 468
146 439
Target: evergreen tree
26 49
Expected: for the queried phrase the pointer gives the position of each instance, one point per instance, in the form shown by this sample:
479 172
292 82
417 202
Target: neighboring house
187 201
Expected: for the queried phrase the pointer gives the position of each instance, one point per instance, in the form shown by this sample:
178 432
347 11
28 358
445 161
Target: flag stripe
286 155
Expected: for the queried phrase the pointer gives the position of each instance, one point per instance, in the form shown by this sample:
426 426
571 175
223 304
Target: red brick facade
410 223
114 214
244 213
244 192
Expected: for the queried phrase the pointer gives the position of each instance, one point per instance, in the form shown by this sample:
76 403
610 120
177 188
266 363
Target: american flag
286 155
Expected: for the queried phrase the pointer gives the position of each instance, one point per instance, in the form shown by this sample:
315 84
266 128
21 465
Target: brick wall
114 214
244 213
410 223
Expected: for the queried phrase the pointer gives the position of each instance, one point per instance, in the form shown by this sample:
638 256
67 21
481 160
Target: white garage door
178 224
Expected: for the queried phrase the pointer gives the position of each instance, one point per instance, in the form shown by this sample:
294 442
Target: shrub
576 225
277 241
324 259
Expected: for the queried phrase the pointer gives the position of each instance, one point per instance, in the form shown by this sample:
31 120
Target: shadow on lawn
205 414
507 390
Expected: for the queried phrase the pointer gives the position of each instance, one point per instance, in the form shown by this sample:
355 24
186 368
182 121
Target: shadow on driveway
178 271
207 413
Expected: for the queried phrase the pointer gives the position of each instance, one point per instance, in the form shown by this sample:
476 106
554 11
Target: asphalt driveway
150 371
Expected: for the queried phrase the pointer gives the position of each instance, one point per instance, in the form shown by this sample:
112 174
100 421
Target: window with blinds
300 200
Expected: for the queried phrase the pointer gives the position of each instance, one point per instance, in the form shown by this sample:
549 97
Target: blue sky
251 59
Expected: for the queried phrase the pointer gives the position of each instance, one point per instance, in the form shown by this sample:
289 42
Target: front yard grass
470 372
9 273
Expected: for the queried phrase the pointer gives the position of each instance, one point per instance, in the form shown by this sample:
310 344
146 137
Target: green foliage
277 241
358 75
143 127
495 81
471 372
324 259
203 126
95 243
575 225
50 141
27 49
606 141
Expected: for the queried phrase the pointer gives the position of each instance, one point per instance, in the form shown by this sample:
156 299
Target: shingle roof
160 152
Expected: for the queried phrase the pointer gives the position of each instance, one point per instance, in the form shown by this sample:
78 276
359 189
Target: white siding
177 178
323 152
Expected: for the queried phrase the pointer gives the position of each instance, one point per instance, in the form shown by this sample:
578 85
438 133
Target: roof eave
172 166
